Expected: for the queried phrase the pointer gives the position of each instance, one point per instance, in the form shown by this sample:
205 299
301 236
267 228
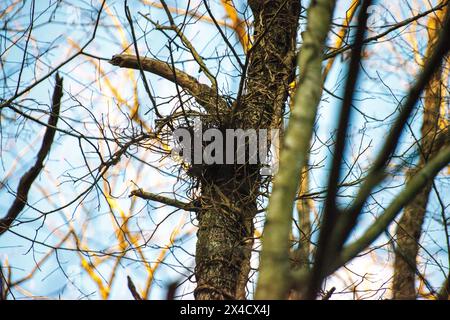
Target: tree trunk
409 228
229 195
225 235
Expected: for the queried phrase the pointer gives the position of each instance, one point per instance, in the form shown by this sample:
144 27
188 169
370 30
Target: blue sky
93 99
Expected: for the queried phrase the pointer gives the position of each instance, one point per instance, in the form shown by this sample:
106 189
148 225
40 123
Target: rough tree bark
409 228
225 236
227 203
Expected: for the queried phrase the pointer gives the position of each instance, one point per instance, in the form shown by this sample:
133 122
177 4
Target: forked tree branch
376 172
349 252
417 182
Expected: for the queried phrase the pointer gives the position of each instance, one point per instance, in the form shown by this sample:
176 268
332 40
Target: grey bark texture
225 236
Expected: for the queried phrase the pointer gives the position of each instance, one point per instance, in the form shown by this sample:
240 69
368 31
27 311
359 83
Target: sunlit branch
158 198
203 94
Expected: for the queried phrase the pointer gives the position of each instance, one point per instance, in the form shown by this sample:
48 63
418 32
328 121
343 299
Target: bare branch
132 289
204 95
376 173
27 179
171 202
327 249
423 177
388 31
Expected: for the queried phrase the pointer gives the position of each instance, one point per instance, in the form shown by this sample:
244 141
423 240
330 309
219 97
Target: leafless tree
105 194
